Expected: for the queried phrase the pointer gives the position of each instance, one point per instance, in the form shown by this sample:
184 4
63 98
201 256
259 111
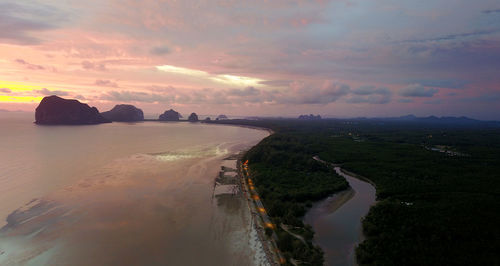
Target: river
337 220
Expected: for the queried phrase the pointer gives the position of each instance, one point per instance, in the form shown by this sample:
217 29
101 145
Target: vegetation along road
433 207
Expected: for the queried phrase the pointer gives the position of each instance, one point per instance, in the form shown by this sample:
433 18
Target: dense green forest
288 180
438 187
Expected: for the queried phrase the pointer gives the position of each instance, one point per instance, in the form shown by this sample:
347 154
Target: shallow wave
193 153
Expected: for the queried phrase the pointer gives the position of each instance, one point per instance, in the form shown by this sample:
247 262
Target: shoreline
360 177
212 122
270 131
264 248
272 253
337 200
333 202
232 182
257 221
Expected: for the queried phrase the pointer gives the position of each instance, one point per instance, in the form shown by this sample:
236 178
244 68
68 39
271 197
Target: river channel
337 220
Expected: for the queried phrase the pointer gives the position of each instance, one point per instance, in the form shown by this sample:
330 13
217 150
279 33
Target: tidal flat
152 208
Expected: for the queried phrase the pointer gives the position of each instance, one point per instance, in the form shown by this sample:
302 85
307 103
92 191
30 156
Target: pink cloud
311 54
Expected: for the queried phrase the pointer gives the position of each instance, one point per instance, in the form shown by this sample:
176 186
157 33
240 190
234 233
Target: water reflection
137 210
337 221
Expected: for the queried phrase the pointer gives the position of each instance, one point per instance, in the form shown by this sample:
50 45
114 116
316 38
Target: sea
119 194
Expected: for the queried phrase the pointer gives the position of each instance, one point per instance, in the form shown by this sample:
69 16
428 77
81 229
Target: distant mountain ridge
310 117
444 120
432 120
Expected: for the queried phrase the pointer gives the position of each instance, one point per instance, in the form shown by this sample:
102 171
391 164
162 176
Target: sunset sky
338 58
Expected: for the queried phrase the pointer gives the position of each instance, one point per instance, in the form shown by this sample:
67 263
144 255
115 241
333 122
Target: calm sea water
116 194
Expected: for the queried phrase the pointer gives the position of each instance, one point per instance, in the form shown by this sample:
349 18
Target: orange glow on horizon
20 99
22 92
17 86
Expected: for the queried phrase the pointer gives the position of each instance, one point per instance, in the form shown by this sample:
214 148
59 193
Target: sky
337 58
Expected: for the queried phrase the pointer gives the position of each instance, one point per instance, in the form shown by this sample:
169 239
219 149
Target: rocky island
54 110
124 113
221 117
193 117
310 117
170 115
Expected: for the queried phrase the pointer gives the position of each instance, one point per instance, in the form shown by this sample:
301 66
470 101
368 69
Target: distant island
310 117
54 110
170 115
193 117
124 113
221 117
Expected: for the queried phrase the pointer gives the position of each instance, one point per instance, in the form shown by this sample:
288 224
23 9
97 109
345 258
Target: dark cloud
134 96
160 50
364 90
47 92
490 11
418 49
29 65
441 83
370 90
248 91
276 83
370 94
405 100
5 90
303 93
106 83
20 21
230 96
298 93
468 61
434 101
87 65
329 93
492 97
250 95
417 90
373 99
449 37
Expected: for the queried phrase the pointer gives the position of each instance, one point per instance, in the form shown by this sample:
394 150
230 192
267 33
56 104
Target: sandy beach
229 187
